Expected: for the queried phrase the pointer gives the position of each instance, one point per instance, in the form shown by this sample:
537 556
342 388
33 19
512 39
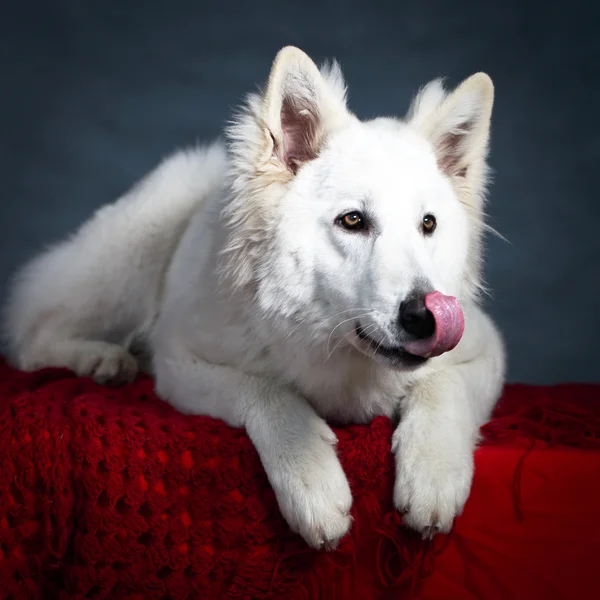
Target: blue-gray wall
93 93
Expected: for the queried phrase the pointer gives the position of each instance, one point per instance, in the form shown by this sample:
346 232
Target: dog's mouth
395 355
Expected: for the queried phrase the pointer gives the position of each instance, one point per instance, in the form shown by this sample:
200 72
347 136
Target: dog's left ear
457 125
301 106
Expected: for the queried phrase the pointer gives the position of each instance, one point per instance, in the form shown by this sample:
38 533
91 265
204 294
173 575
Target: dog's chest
354 397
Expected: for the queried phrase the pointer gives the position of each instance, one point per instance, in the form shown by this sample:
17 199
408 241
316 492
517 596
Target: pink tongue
449 326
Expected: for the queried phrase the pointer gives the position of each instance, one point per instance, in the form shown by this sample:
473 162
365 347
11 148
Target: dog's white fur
230 269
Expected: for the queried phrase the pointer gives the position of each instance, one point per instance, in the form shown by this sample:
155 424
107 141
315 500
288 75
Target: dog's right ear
273 136
301 106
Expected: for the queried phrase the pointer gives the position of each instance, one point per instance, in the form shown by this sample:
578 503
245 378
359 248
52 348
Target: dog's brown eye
353 221
429 224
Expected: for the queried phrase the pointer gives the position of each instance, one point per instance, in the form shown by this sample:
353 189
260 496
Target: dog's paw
433 481
107 364
318 508
314 495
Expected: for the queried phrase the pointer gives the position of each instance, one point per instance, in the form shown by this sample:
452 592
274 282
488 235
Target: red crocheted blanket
113 494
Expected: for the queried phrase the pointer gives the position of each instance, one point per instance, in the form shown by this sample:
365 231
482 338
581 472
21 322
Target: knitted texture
110 493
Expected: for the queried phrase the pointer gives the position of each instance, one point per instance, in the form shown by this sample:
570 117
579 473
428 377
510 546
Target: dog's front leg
435 440
433 447
297 449
296 446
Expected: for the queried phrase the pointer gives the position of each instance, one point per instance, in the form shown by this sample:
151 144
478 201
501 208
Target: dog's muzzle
434 324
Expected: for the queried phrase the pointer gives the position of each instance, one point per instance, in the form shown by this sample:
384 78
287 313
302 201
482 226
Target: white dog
320 267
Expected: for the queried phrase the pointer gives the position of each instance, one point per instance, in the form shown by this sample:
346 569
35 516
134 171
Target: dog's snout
414 317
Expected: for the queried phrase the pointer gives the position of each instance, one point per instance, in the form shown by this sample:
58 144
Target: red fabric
112 494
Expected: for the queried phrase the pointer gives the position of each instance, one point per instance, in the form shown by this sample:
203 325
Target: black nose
414 317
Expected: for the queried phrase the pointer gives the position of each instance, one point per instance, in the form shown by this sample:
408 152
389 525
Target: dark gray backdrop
94 93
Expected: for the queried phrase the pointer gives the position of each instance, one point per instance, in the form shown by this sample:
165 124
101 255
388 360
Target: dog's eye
429 224
353 221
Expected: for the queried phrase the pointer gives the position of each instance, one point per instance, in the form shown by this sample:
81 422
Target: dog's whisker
323 321
368 329
342 323
344 336
337 345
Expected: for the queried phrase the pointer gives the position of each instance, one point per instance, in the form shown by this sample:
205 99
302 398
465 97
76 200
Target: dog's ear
458 124
301 106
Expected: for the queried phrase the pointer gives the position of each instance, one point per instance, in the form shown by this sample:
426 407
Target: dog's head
366 233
